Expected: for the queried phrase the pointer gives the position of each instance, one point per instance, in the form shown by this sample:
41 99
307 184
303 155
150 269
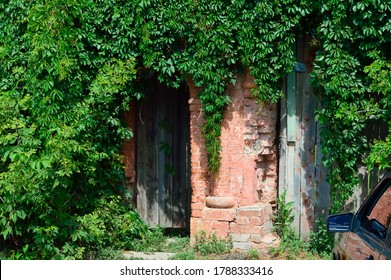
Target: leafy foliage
380 74
292 246
210 42
61 132
70 68
353 36
210 244
321 241
283 218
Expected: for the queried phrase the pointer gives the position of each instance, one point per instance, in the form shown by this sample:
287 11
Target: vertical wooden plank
293 185
322 187
181 138
282 161
147 158
307 147
288 137
294 108
177 138
291 107
165 150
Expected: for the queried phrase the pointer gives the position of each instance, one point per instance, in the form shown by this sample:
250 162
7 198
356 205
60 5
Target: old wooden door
301 173
163 170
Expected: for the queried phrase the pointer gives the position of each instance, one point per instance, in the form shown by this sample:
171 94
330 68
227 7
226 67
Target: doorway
163 157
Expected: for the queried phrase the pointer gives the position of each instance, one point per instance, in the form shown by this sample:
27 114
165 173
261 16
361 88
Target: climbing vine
355 40
70 68
210 42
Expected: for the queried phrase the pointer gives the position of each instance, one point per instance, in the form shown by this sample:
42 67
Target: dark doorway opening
163 157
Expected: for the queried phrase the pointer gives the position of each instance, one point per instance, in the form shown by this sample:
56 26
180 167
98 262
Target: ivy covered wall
69 69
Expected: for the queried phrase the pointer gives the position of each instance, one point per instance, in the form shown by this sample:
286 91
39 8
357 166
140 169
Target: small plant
291 246
283 217
253 254
178 244
187 255
206 245
321 241
154 240
106 254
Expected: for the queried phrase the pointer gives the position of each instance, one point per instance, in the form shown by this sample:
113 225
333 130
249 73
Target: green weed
206 245
292 247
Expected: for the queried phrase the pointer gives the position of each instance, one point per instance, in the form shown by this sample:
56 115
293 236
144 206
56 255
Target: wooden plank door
301 172
163 171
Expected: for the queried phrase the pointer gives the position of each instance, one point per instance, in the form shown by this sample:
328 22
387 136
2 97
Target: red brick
221 229
249 212
243 229
196 213
242 220
255 221
235 228
218 214
197 206
239 175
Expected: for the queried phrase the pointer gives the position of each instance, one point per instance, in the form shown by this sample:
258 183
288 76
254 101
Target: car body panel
368 236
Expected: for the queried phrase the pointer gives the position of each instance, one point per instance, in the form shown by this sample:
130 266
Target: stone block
240 237
243 245
219 228
268 227
220 202
256 238
249 211
197 206
255 221
270 239
245 229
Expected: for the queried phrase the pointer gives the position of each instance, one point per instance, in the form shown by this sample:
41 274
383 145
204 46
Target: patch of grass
105 254
207 245
291 246
177 244
153 241
186 255
253 254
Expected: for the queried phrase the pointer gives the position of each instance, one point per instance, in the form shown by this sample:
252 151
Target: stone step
148 256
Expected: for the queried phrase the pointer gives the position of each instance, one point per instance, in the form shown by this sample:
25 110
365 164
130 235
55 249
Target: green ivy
379 73
353 35
211 42
70 68
63 88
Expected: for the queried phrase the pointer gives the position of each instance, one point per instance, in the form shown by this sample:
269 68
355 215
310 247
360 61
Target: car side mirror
339 222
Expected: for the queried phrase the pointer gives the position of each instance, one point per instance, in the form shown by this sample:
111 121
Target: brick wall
382 210
236 202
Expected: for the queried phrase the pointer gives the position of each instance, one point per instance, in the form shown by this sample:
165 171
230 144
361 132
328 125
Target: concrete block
242 245
240 237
